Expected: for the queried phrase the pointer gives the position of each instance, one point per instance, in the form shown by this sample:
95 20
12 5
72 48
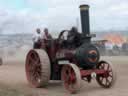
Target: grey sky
62 14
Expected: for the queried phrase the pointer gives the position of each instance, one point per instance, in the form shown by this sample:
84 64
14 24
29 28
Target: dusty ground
12 74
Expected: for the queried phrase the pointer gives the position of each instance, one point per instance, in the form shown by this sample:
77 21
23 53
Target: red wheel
107 79
37 68
71 77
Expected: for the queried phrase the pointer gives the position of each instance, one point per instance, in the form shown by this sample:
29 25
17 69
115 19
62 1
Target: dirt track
12 73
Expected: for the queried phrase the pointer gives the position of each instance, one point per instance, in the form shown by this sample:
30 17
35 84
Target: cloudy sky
23 16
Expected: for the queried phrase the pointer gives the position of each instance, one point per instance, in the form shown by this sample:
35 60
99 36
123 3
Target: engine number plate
63 62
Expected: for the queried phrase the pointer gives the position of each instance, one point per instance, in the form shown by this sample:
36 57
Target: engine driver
73 37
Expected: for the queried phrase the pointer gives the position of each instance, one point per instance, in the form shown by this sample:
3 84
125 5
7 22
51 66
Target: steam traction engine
69 64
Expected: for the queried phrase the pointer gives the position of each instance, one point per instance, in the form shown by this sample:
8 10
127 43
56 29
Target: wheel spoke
104 65
102 79
38 69
110 76
108 67
30 68
31 60
33 55
37 62
36 76
66 76
110 70
107 81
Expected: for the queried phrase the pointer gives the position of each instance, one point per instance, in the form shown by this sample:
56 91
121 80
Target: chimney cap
84 6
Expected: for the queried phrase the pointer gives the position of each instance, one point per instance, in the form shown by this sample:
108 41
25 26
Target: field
13 81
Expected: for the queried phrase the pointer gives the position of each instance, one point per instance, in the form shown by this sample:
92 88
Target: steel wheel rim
33 69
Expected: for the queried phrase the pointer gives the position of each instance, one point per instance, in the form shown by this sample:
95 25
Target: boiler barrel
84 12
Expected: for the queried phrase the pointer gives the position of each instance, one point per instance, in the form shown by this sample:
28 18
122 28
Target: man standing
37 39
46 35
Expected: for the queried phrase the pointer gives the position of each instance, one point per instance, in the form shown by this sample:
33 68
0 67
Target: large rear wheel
37 68
107 79
71 78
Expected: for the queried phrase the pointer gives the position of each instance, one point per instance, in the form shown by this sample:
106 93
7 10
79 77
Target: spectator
109 48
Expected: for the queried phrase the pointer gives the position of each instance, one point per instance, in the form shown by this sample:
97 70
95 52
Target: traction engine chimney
85 24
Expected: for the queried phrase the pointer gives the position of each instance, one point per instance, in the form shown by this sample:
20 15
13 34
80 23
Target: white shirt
36 37
46 37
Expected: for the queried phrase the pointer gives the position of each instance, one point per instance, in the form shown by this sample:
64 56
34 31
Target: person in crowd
109 48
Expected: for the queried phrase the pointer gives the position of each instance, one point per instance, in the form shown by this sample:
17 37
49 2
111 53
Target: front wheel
71 77
107 79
